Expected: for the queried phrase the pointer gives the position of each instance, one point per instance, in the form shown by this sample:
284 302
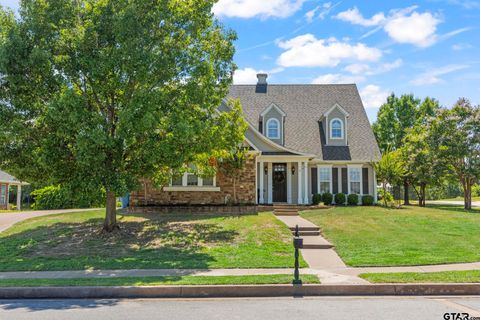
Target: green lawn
471 276
458 199
74 242
376 236
158 281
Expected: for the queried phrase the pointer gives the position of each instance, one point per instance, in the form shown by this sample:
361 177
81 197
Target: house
304 139
6 182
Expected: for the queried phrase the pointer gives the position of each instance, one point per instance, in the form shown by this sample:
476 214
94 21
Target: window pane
355 174
177 180
324 187
272 129
324 174
208 181
336 129
192 180
3 193
355 187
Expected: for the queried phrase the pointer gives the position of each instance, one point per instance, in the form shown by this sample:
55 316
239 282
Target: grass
377 236
459 199
158 281
470 276
74 242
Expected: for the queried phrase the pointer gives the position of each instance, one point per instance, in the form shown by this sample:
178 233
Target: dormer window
273 129
336 129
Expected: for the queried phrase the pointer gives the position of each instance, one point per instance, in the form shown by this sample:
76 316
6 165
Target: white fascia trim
192 189
15 183
336 106
273 105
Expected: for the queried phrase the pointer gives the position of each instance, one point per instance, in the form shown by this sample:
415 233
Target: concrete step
307 233
316 242
291 213
305 228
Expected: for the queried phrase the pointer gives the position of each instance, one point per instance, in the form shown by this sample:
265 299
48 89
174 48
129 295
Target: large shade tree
97 94
456 133
396 117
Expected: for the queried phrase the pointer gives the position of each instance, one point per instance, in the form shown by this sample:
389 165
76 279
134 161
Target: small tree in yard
99 94
456 133
389 171
422 164
232 165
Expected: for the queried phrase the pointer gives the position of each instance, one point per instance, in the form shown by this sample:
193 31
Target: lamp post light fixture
293 170
297 244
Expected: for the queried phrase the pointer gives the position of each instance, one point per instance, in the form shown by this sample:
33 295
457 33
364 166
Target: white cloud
461 46
354 16
357 68
335 78
308 51
373 96
245 76
433 76
311 14
402 25
323 10
418 29
257 8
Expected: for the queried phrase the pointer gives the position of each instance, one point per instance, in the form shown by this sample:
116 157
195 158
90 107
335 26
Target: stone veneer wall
150 196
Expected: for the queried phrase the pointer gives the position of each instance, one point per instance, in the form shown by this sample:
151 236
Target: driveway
9 219
453 202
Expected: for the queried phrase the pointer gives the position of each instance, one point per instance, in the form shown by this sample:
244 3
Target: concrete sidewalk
9 219
475 204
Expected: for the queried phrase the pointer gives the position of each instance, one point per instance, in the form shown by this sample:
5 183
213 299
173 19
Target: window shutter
344 180
365 181
260 126
335 180
314 181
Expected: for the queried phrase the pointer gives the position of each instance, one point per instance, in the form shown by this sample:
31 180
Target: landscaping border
240 291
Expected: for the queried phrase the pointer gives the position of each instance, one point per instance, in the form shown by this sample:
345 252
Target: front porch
294 179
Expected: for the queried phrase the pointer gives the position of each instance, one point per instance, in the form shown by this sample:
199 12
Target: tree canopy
97 94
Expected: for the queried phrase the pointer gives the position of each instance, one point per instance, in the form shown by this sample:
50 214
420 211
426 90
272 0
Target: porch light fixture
265 169
293 170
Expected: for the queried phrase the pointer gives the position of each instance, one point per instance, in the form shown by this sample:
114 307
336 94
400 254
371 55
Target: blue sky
428 48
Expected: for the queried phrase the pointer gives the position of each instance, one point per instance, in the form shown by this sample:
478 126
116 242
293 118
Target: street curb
238 291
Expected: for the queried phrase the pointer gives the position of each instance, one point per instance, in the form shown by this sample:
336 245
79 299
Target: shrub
352 199
61 197
388 196
340 198
316 198
327 198
367 200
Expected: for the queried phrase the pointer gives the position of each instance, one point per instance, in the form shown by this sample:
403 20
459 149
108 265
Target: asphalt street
255 308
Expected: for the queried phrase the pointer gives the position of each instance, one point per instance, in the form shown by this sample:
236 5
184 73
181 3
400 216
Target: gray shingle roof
304 105
5 177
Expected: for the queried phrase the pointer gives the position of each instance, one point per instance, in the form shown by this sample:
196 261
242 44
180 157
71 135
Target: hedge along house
6 182
304 139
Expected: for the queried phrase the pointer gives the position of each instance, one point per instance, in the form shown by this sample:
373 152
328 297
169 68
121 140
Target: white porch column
306 199
318 179
289 182
270 183
260 174
374 186
19 197
299 170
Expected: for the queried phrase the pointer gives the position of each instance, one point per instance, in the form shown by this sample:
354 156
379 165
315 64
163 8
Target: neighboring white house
6 182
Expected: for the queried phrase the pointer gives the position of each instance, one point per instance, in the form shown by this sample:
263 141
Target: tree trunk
406 198
468 195
384 185
421 201
110 223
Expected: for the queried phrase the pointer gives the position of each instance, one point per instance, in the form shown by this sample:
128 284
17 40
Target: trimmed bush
367 200
388 195
352 199
340 198
61 197
327 198
316 198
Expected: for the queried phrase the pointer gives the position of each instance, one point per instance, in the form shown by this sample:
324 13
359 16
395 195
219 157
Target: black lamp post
297 244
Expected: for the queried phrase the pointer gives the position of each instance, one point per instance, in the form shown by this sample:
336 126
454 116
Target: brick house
304 139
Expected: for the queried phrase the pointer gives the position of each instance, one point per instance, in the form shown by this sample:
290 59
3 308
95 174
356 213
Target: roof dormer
335 123
273 120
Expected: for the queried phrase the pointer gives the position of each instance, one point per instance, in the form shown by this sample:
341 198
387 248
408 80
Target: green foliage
352 199
367 200
100 94
476 190
327 198
316 198
389 170
340 199
232 165
61 197
385 196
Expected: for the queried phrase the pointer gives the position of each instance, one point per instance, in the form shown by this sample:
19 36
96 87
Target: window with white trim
336 129
355 180
189 179
324 177
273 129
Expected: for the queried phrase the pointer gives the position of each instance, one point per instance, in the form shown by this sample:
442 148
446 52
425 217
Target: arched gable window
273 129
336 129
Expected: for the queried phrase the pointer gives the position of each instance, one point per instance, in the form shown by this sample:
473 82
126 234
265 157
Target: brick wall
147 195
